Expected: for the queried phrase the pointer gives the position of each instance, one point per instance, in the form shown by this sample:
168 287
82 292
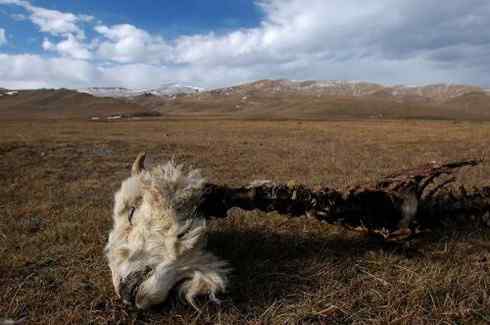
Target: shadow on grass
269 267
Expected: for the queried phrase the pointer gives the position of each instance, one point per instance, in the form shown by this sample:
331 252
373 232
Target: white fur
165 235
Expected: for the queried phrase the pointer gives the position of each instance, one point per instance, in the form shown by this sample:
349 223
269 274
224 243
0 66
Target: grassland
57 179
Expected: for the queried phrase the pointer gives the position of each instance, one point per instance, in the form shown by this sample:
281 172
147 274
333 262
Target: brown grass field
57 179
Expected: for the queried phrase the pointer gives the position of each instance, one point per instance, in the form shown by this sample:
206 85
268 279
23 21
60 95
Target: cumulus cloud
348 30
403 41
34 71
3 37
70 47
64 25
50 21
128 44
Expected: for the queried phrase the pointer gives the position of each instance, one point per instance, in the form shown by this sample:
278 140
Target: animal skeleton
158 239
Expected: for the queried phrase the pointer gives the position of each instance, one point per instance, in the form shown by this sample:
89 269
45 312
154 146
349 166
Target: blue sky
167 18
219 43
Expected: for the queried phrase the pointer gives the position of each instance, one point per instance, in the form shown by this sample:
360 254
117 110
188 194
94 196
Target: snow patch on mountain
342 88
120 92
435 92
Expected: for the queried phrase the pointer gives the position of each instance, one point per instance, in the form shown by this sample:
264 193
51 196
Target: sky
218 43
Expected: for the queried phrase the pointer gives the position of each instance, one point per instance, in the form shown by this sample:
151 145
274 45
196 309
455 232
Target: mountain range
428 93
263 99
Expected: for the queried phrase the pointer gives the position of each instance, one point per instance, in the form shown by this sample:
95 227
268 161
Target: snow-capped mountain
429 93
108 91
283 87
120 92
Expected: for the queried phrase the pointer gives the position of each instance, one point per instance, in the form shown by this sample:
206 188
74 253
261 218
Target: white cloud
55 22
18 17
48 46
404 41
50 21
70 47
324 34
86 18
3 37
128 44
33 71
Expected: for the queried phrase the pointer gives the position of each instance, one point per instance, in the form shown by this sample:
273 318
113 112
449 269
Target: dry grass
63 104
56 186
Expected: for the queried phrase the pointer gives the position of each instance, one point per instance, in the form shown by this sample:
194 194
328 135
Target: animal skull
157 242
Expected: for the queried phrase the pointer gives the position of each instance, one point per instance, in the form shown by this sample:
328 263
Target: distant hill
61 103
264 99
285 99
400 93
